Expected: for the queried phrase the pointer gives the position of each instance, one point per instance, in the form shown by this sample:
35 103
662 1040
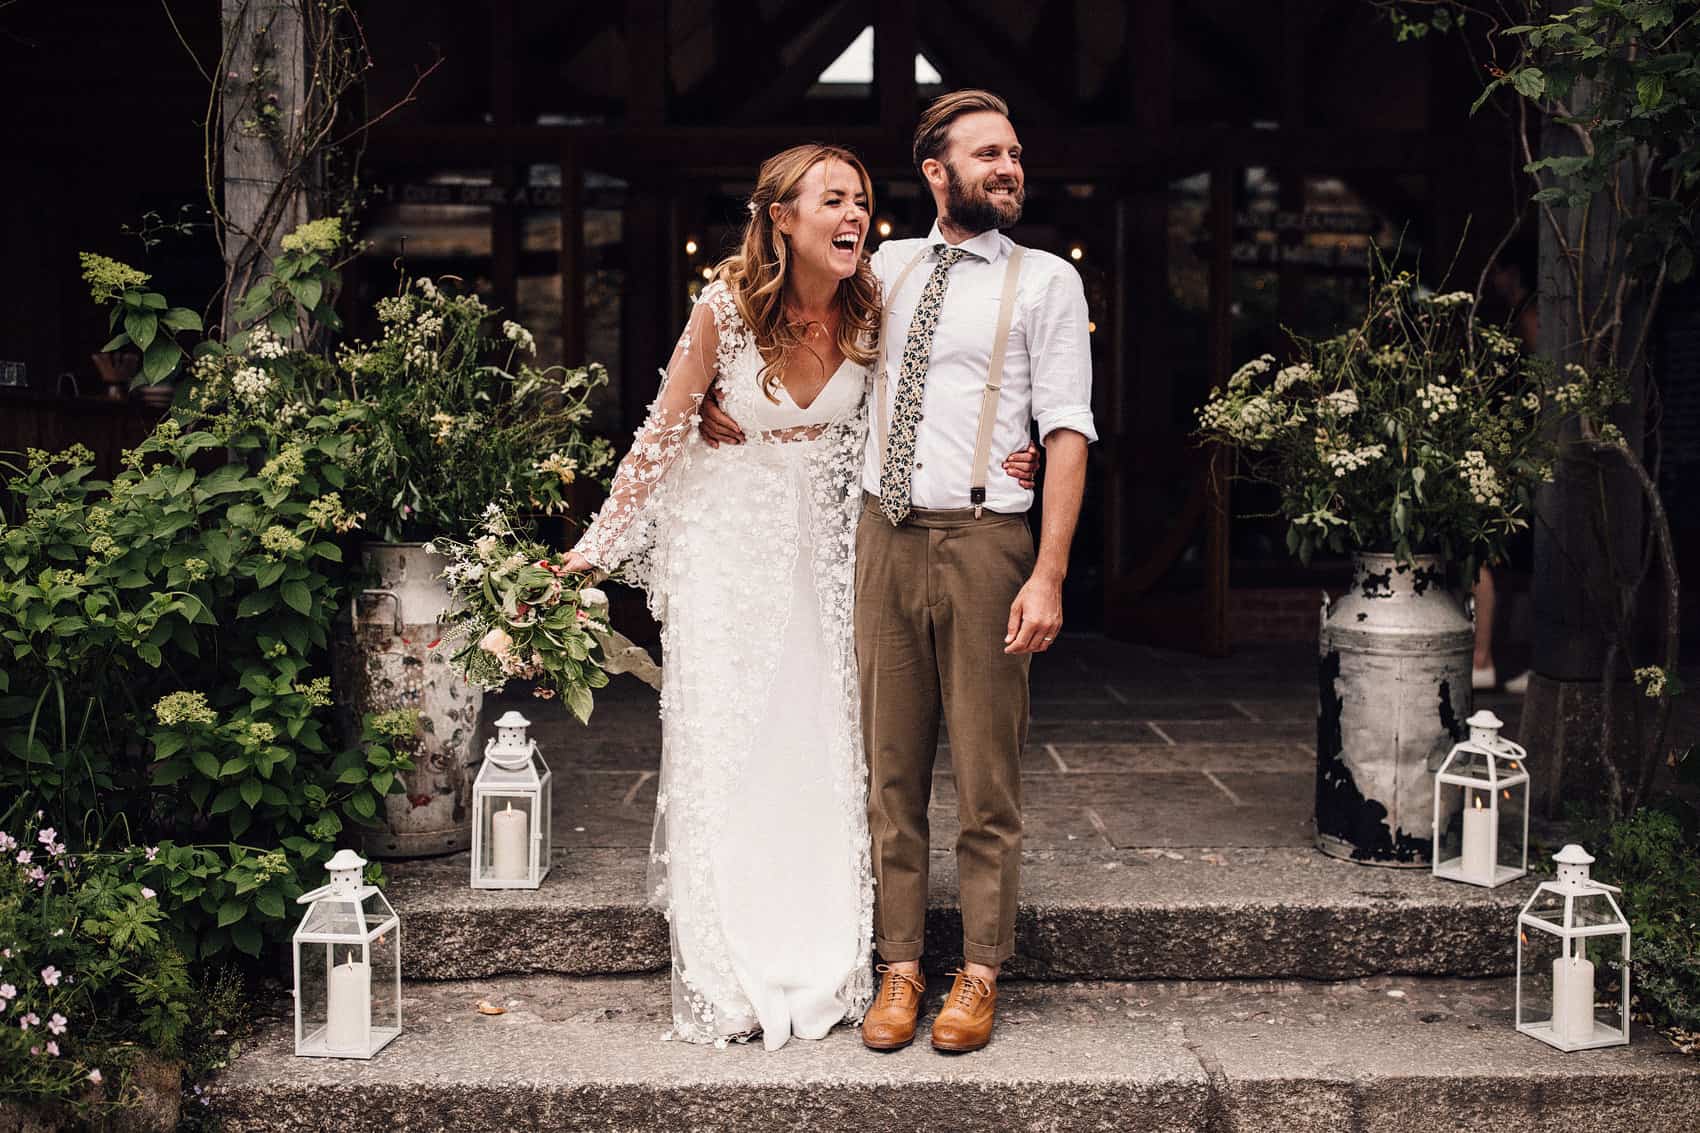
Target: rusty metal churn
1394 692
383 660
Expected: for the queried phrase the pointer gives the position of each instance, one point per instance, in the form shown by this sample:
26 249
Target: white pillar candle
509 845
1480 852
1573 998
349 1002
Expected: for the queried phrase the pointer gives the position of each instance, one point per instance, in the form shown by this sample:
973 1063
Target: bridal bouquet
519 614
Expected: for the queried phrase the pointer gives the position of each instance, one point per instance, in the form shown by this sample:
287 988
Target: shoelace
967 985
894 980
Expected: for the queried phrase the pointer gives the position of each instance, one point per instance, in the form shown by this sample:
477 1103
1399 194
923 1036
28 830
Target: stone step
1232 913
1383 1054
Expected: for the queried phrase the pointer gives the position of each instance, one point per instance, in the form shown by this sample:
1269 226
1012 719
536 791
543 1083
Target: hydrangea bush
1421 430
446 413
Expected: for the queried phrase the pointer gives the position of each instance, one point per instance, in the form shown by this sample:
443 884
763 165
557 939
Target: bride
760 856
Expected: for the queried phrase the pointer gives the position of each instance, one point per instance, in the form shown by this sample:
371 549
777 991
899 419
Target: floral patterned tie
898 472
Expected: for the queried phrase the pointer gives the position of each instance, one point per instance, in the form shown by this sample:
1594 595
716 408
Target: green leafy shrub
1657 865
165 634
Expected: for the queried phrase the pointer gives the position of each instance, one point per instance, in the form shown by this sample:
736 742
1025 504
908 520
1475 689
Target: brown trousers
932 608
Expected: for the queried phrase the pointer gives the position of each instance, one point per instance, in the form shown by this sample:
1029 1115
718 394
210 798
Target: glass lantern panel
377 910
1513 822
1471 763
1534 976
1603 955
493 776
1548 907
312 964
547 804
506 824
333 917
333 998
384 955
1472 845
1594 909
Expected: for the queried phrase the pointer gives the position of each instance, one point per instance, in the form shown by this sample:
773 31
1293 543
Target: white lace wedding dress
760 853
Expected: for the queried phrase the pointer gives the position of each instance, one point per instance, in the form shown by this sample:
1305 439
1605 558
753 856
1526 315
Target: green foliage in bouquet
1418 431
519 614
449 416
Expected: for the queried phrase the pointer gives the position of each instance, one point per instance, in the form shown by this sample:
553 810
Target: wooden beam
968 56
572 257
895 45
1140 157
787 84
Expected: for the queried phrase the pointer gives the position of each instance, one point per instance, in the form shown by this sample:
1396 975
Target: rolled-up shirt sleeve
1060 348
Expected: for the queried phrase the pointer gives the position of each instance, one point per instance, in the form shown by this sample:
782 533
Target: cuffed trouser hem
991 955
899 951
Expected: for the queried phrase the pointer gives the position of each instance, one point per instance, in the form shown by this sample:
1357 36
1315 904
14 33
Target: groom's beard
970 207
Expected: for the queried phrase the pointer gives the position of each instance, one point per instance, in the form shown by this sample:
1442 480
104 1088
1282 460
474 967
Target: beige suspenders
994 374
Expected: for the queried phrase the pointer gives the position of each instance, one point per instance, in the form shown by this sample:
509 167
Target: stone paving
1170 895
1130 748
1360 1056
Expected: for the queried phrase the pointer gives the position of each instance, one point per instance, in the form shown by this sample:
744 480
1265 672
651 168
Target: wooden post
263 198
894 65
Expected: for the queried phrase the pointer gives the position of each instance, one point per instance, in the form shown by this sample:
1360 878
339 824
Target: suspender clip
977 497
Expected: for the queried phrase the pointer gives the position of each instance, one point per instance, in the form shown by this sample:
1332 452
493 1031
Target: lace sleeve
672 419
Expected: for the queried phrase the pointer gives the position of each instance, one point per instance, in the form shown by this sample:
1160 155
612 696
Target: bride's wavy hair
755 274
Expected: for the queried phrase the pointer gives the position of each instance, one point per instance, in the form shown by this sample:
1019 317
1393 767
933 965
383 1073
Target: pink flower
24 857
38 875
29 1020
152 852
47 835
50 976
57 850
8 992
57 1023
53 1048
94 1075
7 843
148 893
34 1050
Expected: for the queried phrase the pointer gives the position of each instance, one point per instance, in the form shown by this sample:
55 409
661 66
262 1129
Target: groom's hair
932 132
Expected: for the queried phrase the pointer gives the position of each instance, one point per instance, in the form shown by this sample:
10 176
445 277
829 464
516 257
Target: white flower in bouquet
497 642
1342 403
519 336
251 384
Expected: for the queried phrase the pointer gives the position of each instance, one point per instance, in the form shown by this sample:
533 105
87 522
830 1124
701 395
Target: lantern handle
309 898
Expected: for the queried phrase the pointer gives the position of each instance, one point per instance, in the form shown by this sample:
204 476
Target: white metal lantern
347 966
511 812
1481 808
1572 945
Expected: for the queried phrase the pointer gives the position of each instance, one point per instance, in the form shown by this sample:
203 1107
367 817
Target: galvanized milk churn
1394 692
384 659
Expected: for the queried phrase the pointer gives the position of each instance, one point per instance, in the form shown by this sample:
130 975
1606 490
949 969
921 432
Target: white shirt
1047 374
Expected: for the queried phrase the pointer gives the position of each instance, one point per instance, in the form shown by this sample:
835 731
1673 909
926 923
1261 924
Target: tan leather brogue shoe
966 1021
890 1021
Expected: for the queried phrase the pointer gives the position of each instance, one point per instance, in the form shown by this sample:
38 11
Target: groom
982 339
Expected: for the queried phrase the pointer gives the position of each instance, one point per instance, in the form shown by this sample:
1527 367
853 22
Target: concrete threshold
1156 914
1382 1054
